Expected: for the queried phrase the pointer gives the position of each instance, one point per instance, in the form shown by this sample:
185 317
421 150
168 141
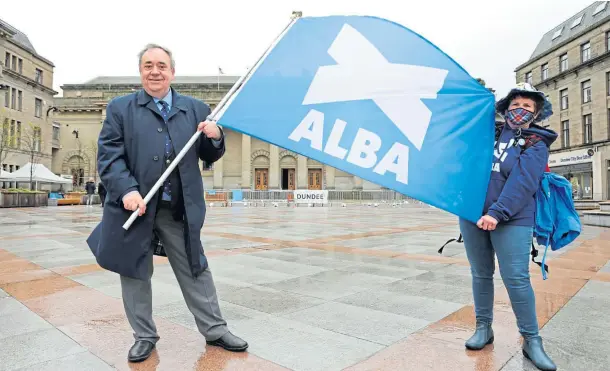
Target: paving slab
20 320
424 308
303 347
76 362
363 323
35 347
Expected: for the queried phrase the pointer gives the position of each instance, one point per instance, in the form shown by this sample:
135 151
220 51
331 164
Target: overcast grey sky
488 38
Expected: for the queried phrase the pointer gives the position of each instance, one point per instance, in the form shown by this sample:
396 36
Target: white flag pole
242 80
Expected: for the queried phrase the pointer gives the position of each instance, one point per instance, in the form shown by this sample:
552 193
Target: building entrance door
288 179
261 179
315 179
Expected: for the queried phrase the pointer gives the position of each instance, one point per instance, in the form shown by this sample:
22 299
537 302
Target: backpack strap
458 240
542 264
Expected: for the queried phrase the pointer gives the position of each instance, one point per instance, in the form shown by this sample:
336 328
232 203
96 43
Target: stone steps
600 217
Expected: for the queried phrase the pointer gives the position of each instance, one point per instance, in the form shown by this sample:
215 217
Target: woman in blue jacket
506 226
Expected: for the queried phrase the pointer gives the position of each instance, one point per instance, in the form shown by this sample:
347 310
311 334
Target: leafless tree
91 151
32 144
5 138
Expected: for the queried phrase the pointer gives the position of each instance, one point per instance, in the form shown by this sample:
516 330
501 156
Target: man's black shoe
230 342
140 351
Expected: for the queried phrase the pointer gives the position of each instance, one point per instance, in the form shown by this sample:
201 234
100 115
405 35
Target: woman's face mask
521 112
519 117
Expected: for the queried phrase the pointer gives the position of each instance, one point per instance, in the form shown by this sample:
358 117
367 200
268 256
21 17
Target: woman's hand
487 223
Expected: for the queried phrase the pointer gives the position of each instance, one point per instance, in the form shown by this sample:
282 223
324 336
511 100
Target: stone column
246 165
357 183
218 176
599 170
330 177
301 172
274 167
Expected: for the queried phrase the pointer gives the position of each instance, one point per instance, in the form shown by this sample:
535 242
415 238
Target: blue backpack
557 222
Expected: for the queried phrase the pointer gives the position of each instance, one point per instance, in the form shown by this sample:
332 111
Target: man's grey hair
157 46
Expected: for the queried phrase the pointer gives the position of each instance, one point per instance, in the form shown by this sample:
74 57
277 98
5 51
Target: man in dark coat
90 189
141 135
101 191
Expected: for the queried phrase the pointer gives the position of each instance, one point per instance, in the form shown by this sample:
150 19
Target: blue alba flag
370 97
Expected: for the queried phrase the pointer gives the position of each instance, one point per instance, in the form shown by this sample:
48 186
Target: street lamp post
78 144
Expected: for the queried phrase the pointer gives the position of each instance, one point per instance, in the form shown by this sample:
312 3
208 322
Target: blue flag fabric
370 97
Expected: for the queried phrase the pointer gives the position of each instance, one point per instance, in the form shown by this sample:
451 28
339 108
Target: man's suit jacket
130 156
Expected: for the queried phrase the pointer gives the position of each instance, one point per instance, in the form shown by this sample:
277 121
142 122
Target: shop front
577 167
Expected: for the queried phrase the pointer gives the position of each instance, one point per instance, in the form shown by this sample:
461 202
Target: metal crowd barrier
283 198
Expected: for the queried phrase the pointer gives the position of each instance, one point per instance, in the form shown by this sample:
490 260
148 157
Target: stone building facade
248 163
26 102
571 64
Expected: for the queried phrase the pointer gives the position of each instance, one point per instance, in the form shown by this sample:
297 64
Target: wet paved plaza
356 288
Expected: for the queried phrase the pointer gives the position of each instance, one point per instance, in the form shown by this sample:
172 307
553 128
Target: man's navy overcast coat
131 156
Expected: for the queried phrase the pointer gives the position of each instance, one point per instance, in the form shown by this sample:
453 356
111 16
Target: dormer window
577 21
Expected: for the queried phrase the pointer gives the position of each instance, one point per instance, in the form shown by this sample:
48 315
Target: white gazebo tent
5 176
40 174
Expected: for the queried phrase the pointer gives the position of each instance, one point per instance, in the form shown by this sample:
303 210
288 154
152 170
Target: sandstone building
571 64
247 164
26 102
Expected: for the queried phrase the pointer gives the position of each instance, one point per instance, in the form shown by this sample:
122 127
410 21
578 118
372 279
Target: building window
563 62
7 97
608 83
528 77
545 71
563 99
14 66
39 75
600 8
608 41
55 132
587 129
7 60
577 21
13 98
608 123
20 100
20 67
586 91
565 134
585 52
207 167
38 108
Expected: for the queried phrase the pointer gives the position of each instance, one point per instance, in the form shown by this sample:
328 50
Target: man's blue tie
167 191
